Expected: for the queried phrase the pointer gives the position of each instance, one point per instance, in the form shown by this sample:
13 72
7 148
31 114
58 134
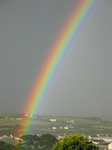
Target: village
60 127
104 142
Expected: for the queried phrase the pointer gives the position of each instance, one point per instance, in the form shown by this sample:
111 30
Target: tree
75 142
48 140
33 142
5 146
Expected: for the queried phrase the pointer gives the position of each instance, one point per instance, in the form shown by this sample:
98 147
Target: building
66 127
53 120
110 146
19 118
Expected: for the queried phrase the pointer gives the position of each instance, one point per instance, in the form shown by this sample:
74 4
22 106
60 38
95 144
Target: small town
59 127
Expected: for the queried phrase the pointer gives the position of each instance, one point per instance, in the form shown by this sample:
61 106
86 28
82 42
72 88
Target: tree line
49 142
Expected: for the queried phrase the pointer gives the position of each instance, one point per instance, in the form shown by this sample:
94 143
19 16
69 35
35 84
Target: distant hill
10 123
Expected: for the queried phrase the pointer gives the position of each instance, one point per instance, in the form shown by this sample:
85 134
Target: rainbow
59 50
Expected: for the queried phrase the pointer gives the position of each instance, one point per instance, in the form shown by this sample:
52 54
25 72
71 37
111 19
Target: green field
88 126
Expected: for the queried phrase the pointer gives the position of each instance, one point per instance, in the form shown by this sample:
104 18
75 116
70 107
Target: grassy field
89 126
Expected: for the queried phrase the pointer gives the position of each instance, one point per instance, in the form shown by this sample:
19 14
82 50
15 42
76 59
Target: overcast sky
83 85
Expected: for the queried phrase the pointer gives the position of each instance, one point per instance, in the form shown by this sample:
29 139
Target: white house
60 137
4 137
110 146
53 120
11 136
19 118
66 127
17 138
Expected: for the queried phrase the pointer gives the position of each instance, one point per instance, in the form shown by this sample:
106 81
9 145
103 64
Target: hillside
10 123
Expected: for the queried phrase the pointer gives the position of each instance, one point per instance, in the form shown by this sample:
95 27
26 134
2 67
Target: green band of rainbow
61 46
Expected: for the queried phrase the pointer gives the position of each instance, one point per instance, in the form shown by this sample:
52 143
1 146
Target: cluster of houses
103 141
107 141
108 146
22 117
70 122
10 137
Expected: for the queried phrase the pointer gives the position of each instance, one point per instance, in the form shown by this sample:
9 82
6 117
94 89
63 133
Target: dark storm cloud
83 85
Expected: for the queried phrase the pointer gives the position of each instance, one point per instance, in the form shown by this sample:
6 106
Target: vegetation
42 124
5 146
33 142
75 142
49 142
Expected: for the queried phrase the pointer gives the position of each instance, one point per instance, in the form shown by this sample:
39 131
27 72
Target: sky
83 84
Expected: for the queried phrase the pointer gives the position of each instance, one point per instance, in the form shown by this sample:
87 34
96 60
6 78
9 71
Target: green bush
75 142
